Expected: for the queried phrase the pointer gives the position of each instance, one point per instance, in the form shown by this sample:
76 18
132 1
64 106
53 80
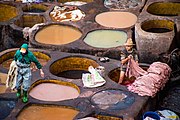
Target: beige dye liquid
57 35
47 113
116 19
53 92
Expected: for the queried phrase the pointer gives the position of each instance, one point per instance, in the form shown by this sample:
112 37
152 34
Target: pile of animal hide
149 82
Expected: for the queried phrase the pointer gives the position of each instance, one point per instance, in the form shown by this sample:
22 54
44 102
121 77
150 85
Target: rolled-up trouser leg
27 80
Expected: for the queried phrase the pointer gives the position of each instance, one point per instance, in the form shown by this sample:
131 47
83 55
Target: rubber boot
25 97
18 94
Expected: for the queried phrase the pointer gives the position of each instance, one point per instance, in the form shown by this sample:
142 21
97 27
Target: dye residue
53 92
121 4
66 13
47 113
112 99
124 19
57 35
105 38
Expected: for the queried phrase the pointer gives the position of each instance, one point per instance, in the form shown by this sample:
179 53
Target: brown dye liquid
57 35
47 113
3 88
53 92
6 64
72 74
125 19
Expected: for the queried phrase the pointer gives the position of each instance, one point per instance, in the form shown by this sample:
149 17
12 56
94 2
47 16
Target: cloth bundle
151 80
92 79
12 75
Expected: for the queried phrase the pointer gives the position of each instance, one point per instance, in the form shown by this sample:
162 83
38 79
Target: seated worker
127 53
23 58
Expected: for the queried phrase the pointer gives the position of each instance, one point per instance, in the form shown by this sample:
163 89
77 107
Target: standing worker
126 54
23 58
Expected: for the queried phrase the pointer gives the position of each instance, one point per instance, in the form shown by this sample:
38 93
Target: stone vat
72 67
8 55
46 90
153 37
47 112
29 20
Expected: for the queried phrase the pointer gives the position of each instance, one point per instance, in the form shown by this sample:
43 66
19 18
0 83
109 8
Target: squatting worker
127 53
23 58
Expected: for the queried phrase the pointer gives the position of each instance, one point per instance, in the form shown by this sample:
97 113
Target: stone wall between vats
11 35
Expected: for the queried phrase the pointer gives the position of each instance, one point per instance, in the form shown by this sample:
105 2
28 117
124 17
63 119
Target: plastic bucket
151 114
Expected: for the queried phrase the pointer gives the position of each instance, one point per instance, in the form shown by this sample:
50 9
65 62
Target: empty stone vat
6 107
28 20
7 12
164 8
153 37
72 67
35 8
6 57
125 19
53 90
57 34
112 99
47 112
114 74
105 38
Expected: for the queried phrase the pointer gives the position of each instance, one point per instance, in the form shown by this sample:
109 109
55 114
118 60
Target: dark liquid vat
158 30
72 74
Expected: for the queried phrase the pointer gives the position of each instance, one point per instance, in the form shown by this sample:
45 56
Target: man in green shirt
23 58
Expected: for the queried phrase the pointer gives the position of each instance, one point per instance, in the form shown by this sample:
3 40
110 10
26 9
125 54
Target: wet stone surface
5 108
121 4
112 99
171 101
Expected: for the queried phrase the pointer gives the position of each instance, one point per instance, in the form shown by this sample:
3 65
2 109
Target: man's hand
41 73
130 56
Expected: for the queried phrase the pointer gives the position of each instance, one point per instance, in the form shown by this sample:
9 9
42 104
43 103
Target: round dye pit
57 34
72 67
113 99
34 8
158 26
114 74
105 38
66 13
6 107
36 112
7 12
54 92
125 19
164 9
29 20
124 4
7 58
